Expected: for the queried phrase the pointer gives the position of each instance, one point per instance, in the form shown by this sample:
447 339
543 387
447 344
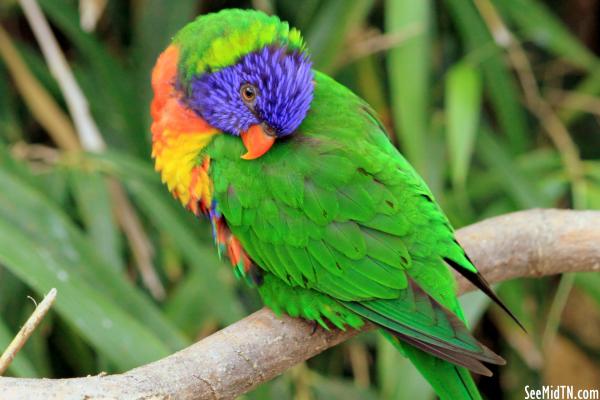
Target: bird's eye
248 93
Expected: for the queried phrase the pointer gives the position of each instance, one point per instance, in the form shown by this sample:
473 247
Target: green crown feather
218 40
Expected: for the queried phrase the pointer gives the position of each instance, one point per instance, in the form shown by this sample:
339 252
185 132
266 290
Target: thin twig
23 335
573 100
265 6
40 158
41 105
90 12
90 137
372 44
140 246
551 123
557 307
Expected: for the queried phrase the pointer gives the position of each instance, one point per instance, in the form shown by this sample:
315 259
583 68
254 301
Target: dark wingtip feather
457 358
492 357
479 281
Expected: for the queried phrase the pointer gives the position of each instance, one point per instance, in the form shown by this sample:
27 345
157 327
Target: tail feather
481 283
421 321
449 381
455 358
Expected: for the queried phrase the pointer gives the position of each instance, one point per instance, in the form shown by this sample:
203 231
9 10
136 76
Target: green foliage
463 103
409 69
446 86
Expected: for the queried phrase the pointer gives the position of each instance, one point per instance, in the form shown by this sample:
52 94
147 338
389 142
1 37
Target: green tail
449 381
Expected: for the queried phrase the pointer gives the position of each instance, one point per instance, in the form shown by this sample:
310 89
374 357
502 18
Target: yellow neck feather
177 158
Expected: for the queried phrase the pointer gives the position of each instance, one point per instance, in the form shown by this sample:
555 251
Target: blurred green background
494 101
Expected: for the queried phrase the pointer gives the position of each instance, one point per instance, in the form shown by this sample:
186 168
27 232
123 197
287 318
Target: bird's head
236 72
261 92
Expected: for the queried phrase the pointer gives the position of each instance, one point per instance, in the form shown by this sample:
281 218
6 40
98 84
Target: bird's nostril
269 130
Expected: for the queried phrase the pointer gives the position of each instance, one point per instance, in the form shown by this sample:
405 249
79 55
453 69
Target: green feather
320 205
347 238
325 257
302 261
329 171
232 206
355 203
372 271
342 289
248 217
396 225
283 258
287 188
296 227
388 249
260 250
449 381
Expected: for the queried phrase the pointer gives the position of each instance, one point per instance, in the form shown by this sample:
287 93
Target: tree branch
242 356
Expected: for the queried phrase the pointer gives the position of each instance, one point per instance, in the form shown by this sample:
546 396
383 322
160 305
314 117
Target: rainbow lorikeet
307 195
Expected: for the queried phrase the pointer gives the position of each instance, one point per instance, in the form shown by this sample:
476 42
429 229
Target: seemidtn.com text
560 392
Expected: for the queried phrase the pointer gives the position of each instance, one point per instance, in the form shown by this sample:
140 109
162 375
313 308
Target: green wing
336 209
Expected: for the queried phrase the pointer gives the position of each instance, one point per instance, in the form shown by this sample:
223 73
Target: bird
307 196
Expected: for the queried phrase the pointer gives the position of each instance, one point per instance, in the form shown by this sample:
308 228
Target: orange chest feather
178 137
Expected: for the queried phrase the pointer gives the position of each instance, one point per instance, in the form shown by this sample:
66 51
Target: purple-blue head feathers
272 87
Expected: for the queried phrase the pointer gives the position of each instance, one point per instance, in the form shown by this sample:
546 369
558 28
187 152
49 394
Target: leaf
122 165
329 30
96 316
20 170
30 213
516 294
326 388
474 304
73 350
9 124
53 183
409 74
522 190
195 302
92 197
463 106
589 86
371 86
590 283
399 379
538 24
499 81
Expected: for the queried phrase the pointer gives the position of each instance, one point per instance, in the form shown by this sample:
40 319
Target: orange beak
257 142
